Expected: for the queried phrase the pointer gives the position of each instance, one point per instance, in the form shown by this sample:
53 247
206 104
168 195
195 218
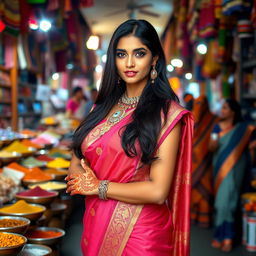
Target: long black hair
236 108
155 99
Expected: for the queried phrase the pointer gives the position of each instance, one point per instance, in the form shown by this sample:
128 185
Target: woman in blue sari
229 142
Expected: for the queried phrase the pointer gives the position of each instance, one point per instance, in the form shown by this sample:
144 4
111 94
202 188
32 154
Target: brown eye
120 54
140 54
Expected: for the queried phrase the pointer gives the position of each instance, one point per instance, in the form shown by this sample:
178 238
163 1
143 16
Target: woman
202 192
230 138
135 147
75 104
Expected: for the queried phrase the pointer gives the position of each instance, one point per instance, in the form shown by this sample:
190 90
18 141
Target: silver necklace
124 103
129 102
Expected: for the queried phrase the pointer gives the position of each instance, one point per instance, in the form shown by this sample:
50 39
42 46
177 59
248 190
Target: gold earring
153 74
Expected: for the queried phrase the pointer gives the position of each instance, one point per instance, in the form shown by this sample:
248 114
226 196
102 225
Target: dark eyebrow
135 50
140 49
120 50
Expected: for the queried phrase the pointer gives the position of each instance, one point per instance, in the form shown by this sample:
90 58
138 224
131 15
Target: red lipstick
129 73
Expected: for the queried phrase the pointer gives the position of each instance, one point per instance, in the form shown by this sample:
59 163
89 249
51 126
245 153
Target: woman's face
133 60
226 112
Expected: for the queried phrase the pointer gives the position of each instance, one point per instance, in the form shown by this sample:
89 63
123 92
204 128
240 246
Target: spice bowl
31 151
31 216
58 174
13 250
13 224
35 249
48 146
42 152
51 186
45 235
5 141
44 200
29 182
9 157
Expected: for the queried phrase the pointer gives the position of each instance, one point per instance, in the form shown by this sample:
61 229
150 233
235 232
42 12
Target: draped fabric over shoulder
202 189
114 228
230 164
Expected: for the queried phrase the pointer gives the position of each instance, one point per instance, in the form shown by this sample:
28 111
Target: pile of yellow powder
21 206
17 146
58 163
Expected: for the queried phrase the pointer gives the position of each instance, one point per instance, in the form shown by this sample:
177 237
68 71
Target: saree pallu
202 190
230 163
115 228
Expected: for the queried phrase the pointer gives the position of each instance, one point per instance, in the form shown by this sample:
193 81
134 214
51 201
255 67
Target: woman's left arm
155 190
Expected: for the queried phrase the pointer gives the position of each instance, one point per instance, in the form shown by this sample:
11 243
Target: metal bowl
47 241
20 229
12 250
30 216
59 176
28 247
45 200
5 141
13 157
42 152
48 146
31 152
51 189
27 183
26 136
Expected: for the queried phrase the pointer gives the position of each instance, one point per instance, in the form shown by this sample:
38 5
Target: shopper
229 143
91 101
75 105
202 191
135 148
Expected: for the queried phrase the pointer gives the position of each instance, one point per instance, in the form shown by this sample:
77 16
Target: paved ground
200 238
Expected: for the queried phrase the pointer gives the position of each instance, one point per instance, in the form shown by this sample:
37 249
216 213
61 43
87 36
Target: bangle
103 188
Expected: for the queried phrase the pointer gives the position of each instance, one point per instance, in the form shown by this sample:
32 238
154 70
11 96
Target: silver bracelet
103 188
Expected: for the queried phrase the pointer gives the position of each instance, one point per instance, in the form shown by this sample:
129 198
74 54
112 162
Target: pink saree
113 228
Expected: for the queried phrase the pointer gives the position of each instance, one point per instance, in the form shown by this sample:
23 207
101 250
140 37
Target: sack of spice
8 189
15 175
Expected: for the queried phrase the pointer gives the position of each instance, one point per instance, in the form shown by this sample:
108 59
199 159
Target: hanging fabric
10 15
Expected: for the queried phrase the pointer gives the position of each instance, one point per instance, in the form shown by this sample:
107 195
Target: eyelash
139 54
120 54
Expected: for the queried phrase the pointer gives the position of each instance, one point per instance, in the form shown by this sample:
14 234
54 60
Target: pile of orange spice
37 174
32 173
56 171
43 234
28 132
7 223
29 143
7 239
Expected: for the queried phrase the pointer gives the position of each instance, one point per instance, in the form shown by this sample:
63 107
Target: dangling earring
119 80
153 74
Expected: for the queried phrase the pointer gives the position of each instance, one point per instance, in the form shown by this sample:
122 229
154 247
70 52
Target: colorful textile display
253 15
211 68
230 7
207 26
193 19
10 15
202 190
